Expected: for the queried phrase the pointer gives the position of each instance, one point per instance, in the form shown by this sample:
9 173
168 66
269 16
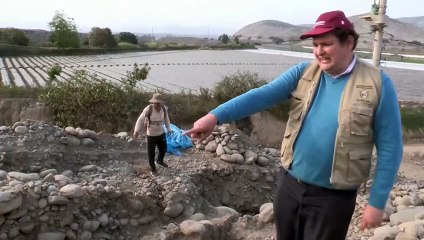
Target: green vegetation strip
89 102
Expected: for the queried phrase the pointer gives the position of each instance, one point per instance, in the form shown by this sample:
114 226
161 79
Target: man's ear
350 41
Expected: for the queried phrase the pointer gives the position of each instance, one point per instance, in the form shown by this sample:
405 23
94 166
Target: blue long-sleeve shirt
314 146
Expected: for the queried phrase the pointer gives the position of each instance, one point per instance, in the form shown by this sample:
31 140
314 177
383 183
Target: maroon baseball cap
327 22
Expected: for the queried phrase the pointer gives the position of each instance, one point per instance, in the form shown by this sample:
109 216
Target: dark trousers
307 212
152 142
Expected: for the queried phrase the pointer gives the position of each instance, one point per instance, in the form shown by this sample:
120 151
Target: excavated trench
121 200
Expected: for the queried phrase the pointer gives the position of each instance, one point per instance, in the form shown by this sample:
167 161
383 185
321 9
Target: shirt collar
348 69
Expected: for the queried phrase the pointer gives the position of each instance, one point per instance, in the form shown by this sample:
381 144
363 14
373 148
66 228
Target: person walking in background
340 108
150 121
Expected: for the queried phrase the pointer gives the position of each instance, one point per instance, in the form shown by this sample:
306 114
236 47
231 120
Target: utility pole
380 24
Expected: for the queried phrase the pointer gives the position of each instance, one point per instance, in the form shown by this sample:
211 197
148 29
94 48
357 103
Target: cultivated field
174 71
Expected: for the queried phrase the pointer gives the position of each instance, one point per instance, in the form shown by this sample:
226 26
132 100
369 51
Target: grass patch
127 45
7 91
412 117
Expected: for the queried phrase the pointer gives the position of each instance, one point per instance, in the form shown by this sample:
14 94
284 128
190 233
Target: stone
406 215
88 168
263 161
4 128
63 180
266 213
385 232
189 227
211 146
237 158
103 219
220 150
9 201
87 142
27 227
173 210
24 177
57 200
222 211
21 130
232 146
71 130
86 235
44 173
3 175
71 191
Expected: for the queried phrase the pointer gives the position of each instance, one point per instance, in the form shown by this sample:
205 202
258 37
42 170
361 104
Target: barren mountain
265 29
397 33
417 21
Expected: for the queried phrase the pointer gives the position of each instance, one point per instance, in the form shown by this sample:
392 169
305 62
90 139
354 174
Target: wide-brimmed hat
157 98
327 22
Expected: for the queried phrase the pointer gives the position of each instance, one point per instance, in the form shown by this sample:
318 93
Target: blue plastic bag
176 141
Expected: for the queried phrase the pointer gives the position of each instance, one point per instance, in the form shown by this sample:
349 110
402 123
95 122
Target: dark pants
152 142
307 212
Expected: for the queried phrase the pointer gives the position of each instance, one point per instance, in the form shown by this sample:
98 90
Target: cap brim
315 32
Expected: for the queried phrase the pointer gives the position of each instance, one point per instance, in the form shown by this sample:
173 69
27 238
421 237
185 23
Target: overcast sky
186 16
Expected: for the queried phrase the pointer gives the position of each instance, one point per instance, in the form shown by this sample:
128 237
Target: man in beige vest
341 108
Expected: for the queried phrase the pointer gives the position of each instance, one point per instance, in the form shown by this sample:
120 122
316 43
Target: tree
224 38
146 38
101 37
127 37
13 36
237 39
276 40
64 31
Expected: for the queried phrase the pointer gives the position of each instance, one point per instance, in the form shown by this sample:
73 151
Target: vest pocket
360 121
359 165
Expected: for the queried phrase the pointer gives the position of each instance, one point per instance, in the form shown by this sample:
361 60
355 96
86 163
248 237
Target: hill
263 30
417 21
397 33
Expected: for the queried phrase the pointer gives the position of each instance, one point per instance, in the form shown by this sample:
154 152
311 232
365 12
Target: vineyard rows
171 71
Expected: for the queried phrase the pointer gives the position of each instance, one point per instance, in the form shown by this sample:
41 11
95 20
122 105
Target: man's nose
319 50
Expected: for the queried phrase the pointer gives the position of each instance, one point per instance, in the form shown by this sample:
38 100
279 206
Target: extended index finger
189 132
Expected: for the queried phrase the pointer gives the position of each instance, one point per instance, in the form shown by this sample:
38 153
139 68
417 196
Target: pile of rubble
74 183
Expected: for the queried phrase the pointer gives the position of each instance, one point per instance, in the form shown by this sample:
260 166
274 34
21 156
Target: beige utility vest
354 139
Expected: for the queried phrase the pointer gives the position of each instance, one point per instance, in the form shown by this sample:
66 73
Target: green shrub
236 84
127 45
186 107
86 101
239 83
54 70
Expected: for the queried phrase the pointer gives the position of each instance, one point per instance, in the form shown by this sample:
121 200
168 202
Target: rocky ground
77 184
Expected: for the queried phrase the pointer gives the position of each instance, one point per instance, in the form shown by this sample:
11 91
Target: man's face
332 56
156 105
